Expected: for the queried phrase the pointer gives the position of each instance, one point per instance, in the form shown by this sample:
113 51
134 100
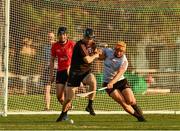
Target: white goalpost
153 49
6 54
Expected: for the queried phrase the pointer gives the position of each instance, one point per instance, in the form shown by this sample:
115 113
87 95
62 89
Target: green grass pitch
87 122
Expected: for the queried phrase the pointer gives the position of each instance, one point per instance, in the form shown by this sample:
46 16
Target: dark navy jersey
81 51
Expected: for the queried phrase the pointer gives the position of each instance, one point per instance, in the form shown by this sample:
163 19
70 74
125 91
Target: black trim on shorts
120 85
61 77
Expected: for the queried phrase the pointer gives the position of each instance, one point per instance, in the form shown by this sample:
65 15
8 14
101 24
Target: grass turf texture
102 102
87 122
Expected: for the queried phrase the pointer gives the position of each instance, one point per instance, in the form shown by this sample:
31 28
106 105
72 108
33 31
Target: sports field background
151 29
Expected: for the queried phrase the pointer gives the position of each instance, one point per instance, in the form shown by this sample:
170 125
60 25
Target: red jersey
63 52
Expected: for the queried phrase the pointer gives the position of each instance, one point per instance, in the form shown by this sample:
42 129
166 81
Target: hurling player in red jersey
62 50
84 53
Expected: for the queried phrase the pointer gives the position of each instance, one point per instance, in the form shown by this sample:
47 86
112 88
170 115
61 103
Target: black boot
63 116
90 110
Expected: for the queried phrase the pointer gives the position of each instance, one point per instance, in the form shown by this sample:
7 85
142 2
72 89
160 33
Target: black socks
138 113
137 109
64 113
90 103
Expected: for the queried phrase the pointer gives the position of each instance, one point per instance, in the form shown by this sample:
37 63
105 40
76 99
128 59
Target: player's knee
131 102
92 79
68 100
61 100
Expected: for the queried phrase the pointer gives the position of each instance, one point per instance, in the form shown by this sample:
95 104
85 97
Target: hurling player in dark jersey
84 54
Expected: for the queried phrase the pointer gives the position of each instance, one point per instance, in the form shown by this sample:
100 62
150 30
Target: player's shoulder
107 50
71 41
124 57
79 43
54 44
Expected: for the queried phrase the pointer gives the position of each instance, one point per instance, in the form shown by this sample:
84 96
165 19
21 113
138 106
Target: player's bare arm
90 59
102 55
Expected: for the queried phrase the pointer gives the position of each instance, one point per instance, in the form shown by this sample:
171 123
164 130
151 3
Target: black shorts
76 78
120 85
61 77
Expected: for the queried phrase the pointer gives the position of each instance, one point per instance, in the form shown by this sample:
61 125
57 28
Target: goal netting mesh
150 28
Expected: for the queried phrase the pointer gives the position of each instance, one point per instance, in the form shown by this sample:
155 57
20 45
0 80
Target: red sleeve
73 44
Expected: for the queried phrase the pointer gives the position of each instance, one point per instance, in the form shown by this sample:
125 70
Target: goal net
151 30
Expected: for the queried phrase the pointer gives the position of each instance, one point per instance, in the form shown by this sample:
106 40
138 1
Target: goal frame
6 58
5 111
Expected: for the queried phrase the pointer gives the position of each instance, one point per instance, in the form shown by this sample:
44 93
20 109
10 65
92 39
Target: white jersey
112 65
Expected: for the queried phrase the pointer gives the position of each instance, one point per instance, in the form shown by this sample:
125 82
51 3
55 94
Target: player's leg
73 81
119 98
61 79
60 93
47 88
129 96
70 93
47 96
131 100
91 81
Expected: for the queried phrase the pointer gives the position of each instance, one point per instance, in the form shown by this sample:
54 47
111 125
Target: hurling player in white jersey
115 65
